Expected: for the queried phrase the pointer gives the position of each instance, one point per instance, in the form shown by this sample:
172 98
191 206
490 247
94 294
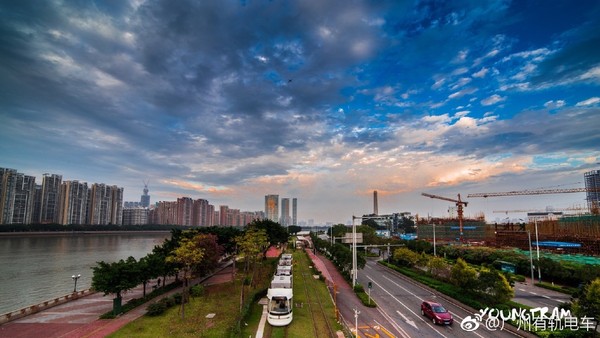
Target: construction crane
459 206
528 192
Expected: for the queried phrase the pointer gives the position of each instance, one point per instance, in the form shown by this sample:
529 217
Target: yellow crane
459 206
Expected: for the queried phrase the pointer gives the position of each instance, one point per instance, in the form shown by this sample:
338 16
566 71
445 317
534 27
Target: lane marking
407 320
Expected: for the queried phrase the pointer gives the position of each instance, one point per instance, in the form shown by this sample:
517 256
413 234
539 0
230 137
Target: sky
325 101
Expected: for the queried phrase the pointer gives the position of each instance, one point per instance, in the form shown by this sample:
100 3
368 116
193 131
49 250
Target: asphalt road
531 295
398 312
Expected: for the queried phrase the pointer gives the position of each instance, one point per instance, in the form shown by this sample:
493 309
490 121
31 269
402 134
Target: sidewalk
80 317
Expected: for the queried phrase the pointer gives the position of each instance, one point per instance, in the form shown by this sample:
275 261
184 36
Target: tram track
316 309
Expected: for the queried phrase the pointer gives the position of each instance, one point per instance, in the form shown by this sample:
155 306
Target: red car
436 312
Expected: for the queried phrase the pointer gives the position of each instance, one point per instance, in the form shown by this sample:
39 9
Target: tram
280 306
280 294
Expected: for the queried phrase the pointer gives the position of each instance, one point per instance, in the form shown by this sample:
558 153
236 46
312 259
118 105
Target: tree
115 278
251 245
147 267
588 304
406 257
462 275
493 286
438 267
294 229
212 253
187 254
275 232
370 222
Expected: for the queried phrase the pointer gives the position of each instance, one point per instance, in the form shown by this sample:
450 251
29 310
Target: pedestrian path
80 317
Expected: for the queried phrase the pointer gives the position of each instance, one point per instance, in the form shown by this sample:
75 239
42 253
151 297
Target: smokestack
375 208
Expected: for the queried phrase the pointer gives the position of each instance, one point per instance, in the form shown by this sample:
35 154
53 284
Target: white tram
280 294
280 306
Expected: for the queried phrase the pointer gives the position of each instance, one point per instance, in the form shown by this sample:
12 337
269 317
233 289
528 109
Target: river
38 267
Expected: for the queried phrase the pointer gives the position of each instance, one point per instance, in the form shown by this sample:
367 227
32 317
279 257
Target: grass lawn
222 299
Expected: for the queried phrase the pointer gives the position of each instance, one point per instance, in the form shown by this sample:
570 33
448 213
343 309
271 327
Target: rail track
321 325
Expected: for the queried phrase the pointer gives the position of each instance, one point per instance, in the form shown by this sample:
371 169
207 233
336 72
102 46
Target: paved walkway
79 317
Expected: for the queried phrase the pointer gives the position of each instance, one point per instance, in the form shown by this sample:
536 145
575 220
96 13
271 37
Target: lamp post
537 245
530 257
75 278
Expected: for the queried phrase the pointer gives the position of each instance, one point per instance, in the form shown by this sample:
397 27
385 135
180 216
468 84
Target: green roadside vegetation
473 276
231 309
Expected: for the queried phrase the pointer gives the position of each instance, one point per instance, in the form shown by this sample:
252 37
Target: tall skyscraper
592 184
272 207
294 211
285 212
50 198
145 199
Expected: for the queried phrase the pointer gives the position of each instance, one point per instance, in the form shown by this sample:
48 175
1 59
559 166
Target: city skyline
325 101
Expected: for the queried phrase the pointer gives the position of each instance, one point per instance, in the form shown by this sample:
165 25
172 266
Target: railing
29 310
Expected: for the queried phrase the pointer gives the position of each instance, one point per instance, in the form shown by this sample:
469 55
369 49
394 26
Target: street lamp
537 245
75 278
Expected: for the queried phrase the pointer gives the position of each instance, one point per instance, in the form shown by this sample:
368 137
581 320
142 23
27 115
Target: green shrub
168 301
156 309
197 290
177 297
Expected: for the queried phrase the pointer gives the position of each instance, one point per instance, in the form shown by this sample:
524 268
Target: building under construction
569 234
447 230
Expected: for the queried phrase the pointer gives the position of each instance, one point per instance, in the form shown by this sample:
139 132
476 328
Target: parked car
436 312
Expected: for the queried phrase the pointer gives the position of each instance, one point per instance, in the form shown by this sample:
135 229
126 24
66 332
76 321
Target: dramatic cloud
320 100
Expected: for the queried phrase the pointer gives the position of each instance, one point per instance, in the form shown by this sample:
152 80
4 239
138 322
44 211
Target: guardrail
29 310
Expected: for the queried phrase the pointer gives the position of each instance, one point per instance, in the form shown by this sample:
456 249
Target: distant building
8 183
49 203
135 216
284 220
294 211
24 199
105 205
592 184
145 198
272 207
72 205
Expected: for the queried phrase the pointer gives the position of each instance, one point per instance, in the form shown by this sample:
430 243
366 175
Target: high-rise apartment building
223 215
135 216
185 207
8 184
592 184
201 213
50 198
294 211
24 199
73 204
284 220
272 207
105 204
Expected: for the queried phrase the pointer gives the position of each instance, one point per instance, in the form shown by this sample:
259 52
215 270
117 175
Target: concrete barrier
29 310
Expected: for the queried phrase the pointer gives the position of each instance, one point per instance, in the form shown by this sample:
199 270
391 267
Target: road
531 295
398 311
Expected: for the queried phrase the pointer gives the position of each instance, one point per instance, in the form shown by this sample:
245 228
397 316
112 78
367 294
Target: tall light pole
354 263
530 257
537 245
75 278
434 252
